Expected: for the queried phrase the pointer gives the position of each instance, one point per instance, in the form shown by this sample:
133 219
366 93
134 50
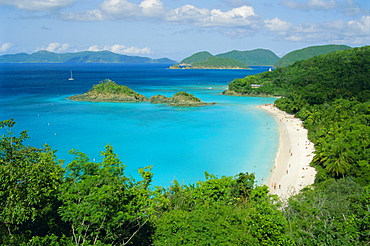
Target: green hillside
219 62
307 53
257 57
197 57
79 57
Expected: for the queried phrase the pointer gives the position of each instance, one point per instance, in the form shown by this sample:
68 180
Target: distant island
109 91
230 60
78 57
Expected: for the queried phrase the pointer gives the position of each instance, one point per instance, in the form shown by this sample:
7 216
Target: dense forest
95 203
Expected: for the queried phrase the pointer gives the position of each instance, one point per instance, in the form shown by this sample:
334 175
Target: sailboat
71 78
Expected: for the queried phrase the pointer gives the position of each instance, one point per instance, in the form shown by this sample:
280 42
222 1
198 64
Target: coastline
292 170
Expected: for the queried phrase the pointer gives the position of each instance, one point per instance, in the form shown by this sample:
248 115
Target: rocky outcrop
180 99
92 96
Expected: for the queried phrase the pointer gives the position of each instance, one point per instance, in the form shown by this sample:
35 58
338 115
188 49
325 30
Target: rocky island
180 99
109 91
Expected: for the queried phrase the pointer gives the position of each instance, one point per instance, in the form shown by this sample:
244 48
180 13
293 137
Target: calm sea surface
229 137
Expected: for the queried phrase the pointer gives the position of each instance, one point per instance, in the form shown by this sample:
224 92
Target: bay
229 137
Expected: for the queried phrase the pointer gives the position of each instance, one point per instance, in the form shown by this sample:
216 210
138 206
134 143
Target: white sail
71 78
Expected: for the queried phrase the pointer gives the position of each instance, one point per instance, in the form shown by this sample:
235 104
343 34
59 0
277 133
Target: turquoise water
229 137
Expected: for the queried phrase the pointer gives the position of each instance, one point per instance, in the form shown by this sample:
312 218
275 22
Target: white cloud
351 9
235 3
360 27
149 10
187 14
121 49
311 5
338 31
242 16
152 8
277 25
38 5
119 9
88 15
5 47
55 47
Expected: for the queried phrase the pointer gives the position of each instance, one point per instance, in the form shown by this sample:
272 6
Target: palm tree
337 159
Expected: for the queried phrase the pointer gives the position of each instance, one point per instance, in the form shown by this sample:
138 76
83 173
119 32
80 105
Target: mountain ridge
104 56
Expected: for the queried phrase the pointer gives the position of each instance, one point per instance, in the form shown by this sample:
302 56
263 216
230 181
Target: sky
177 29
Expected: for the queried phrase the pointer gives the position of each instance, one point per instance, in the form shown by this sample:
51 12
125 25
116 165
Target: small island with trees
109 91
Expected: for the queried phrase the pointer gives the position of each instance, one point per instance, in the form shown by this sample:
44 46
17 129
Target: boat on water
71 78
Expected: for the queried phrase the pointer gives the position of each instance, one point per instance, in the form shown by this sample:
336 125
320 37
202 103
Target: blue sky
179 28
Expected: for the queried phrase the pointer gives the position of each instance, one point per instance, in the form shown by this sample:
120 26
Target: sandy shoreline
291 171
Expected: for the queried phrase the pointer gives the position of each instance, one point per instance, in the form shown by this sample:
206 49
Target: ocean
227 138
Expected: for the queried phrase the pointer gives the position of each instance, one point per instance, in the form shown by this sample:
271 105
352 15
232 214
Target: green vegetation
197 57
219 62
44 56
257 57
180 99
186 96
108 86
335 212
307 53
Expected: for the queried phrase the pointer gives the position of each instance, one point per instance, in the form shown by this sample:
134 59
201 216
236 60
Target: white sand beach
291 171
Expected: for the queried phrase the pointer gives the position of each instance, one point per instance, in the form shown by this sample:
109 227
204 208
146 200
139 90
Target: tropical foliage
334 213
